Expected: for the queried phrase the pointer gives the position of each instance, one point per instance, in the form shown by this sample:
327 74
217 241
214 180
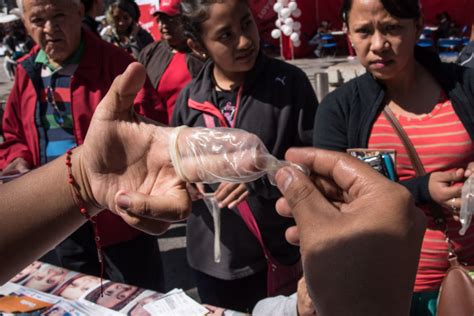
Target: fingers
149 226
302 196
17 166
292 235
170 207
238 199
469 170
283 208
194 192
449 176
454 204
119 98
229 195
346 171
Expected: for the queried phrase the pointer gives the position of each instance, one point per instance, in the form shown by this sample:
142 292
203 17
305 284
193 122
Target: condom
467 204
214 155
215 210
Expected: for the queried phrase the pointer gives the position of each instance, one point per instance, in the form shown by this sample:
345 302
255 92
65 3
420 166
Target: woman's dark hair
129 6
194 13
402 9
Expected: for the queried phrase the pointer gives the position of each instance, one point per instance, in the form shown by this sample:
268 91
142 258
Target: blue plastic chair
449 47
329 44
426 33
425 43
449 43
326 37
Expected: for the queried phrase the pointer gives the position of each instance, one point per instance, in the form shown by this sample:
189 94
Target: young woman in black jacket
240 87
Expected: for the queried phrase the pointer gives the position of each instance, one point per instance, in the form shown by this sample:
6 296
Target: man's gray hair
19 3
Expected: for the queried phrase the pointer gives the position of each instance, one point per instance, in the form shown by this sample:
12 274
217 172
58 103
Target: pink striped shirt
443 144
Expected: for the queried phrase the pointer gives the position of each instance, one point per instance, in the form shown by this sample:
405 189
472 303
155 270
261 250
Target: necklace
219 88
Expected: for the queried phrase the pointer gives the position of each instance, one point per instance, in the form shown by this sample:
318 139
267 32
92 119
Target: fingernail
124 201
284 177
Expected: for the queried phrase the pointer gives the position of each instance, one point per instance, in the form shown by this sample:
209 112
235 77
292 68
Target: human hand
360 251
230 194
443 191
469 170
214 310
124 163
195 190
17 166
304 304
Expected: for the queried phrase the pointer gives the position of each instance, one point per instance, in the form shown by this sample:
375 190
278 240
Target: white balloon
289 22
296 13
296 26
292 6
276 33
297 44
284 2
278 23
287 30
295 37
277 7
285 13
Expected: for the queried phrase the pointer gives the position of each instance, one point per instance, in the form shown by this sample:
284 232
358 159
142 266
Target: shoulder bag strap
436 210
412 154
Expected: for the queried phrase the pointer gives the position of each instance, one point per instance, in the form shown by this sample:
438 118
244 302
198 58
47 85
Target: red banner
315 11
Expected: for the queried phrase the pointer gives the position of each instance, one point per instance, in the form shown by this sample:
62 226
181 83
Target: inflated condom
467 204
271 163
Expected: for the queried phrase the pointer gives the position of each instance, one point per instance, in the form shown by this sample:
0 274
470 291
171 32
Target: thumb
450 176
304 199
162 207
119 98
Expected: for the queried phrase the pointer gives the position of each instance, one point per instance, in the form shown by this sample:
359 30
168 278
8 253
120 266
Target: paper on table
176 303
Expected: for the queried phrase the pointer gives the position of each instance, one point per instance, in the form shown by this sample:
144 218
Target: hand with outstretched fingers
124 163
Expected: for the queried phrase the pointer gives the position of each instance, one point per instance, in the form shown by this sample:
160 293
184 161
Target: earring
204 55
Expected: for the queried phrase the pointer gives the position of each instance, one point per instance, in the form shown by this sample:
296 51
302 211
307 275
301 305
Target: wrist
83 186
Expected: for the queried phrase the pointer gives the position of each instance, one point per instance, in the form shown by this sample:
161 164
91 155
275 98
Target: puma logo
281 80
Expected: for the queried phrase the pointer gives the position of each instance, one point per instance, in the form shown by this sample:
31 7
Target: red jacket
99 65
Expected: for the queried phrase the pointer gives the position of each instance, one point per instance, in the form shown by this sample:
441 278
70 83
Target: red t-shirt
443 144
174 79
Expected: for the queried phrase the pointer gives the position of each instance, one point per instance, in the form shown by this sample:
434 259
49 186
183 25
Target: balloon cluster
285 24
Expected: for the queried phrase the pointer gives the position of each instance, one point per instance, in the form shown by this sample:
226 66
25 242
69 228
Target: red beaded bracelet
82 208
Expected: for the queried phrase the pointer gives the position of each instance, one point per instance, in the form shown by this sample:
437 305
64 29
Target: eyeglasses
60 115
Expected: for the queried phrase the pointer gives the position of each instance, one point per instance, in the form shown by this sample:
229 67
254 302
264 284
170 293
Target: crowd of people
356 236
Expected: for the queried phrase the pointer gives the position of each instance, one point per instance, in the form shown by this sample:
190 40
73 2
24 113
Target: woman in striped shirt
432 101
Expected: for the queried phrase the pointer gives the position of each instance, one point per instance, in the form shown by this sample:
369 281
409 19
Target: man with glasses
58 86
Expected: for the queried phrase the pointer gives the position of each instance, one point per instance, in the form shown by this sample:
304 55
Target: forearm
37 211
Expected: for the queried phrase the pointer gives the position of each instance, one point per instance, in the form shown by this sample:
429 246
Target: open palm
125 157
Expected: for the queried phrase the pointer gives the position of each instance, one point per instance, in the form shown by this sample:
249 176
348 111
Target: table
71 293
